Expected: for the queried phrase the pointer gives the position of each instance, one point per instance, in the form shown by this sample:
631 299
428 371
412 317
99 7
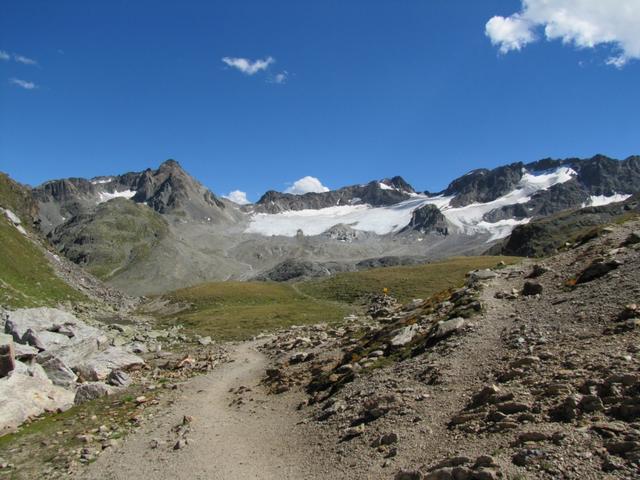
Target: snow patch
384 186
100 181
601 200
106 196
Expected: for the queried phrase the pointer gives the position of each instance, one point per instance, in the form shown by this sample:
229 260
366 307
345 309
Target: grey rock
118 378
91 391
7 358
447 327
99 365
404 335
24 396
59 373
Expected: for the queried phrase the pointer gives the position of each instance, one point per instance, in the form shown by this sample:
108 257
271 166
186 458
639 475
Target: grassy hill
239 310
26 277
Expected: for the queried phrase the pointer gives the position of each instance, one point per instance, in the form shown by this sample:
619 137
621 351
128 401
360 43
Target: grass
404 283
240 310
18 199
51 441
26 277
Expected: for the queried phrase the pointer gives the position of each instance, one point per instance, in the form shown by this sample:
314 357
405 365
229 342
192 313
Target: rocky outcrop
55 352
168 190
546 235
427 219
377 193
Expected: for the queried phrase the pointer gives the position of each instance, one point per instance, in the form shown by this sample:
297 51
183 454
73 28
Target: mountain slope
168 190
116 236
208 238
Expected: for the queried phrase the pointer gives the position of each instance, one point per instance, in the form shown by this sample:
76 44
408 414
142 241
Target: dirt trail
257 439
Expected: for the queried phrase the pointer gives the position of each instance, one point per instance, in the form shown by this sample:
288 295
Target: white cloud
238 197
511 33
23 83
247 66
582 23
280 78
4 55
24 60
306 185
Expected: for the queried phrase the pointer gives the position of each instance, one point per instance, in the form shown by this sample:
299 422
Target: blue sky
352 90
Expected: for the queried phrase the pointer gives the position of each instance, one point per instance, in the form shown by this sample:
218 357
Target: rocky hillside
529 371
547 235
172 231
167 190
116 236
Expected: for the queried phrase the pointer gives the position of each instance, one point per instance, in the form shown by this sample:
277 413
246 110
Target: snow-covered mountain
181 233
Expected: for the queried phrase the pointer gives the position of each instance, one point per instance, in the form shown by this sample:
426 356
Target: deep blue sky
375 88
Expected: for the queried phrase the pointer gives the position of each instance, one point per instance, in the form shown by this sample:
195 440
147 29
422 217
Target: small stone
531 288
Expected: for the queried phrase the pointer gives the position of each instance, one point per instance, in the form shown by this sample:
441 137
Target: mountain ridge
208 237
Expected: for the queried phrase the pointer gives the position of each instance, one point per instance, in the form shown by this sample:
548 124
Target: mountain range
151 231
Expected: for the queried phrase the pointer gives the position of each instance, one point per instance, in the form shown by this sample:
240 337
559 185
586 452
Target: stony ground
528 371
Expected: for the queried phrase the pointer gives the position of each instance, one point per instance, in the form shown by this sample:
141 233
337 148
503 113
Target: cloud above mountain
306 184
247 66
581 23
237 196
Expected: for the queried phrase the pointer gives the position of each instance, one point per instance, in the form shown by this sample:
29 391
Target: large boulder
52 321
23 396
98 366
7 356
59 373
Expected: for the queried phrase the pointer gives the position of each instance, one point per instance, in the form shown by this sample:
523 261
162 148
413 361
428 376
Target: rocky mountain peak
398 183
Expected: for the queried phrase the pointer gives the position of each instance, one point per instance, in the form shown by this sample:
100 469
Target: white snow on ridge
384 186
101 181
600 200
384 220
380 220
106 196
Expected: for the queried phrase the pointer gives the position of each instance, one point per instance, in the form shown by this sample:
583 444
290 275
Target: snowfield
383 220
601 200
106 196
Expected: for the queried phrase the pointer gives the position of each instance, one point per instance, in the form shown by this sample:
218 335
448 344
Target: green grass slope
113 238
26 277
18 199
405 283
239 310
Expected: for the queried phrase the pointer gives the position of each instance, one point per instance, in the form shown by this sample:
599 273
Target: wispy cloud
280 78
4 55
23 83
583 23
24 60
238 197
306 185
248 67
